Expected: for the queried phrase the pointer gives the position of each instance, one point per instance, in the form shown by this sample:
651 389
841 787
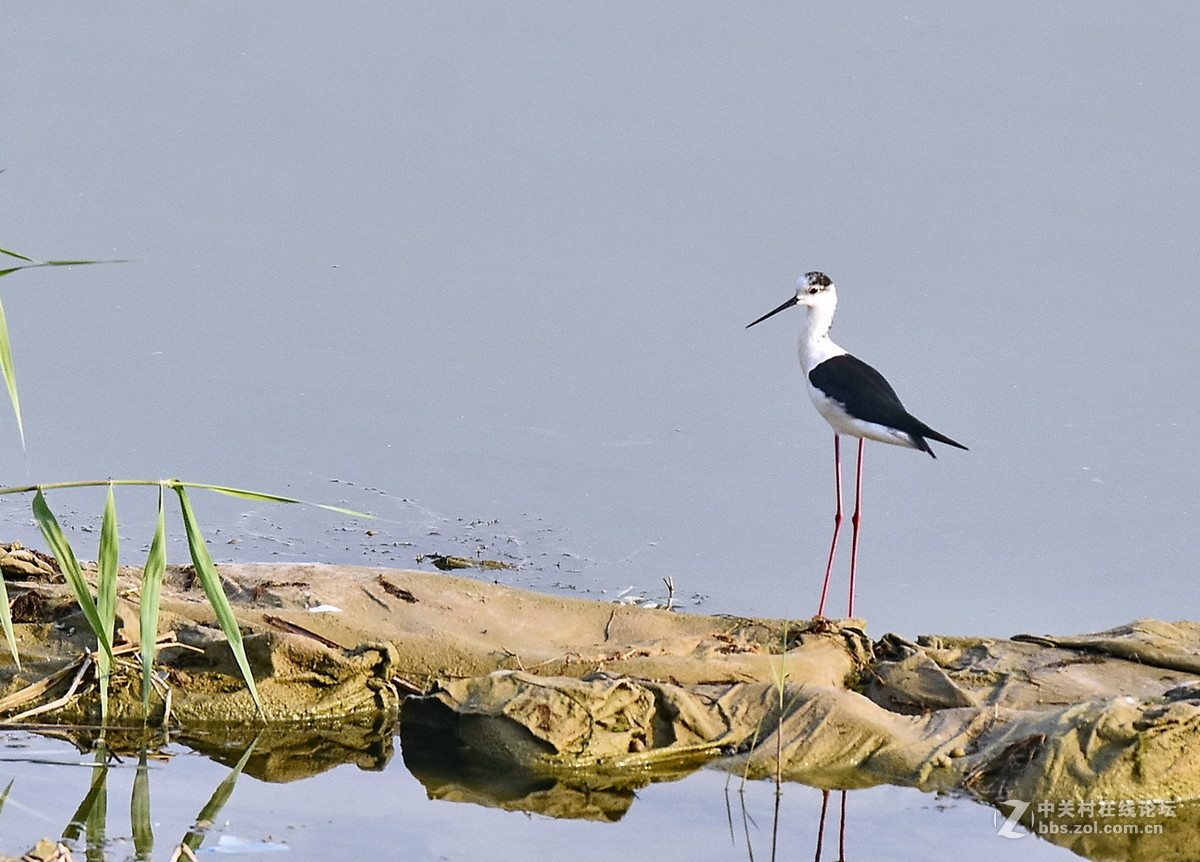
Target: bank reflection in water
450 772
455 773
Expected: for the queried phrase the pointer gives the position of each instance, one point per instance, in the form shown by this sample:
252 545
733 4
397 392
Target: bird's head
814 289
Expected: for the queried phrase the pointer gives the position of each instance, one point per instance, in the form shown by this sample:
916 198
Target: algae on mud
532 700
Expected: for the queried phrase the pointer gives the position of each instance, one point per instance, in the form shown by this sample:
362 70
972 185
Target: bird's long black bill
783 307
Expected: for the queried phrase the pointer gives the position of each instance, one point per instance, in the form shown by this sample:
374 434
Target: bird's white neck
815 344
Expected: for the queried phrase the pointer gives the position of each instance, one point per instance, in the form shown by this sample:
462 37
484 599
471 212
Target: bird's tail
926 431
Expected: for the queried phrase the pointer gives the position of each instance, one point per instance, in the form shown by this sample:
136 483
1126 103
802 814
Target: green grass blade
34 264
211 581
85 483
212 808
10 374
4 795
7 624
107 562
62 551
17 256
97 815
92 810
269 498
261 496
152 581
139 810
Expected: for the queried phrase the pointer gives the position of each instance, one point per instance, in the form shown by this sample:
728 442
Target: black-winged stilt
854 398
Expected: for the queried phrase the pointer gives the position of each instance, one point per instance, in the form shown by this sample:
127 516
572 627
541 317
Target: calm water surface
483 269
708 816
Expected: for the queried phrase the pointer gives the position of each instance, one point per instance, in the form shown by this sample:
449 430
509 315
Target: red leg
842 830
837 519
854 521
821 824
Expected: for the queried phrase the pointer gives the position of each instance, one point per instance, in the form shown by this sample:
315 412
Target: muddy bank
554 703
325 641
1045 722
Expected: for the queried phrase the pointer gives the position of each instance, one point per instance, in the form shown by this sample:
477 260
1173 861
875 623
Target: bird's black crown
817 279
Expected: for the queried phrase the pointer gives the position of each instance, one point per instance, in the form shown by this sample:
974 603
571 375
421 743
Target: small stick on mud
393 590
370 595
84 663
670 582
407 686
295 628
510 654
608 625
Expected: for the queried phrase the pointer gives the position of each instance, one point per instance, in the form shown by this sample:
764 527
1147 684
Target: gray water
483 270
708 816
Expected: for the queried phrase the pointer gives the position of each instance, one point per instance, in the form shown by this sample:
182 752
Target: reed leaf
62 551
139 810
16 255
7 624
92 813
260 496
6 361
107 562
34 264
152 581
6 365
4 794
10 374
211 582
216 802
270 498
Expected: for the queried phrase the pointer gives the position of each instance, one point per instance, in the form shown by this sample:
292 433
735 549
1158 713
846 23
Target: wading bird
854 398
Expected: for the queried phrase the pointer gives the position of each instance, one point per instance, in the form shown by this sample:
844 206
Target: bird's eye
814 290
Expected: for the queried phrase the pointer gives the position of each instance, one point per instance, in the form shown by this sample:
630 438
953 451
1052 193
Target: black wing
866 395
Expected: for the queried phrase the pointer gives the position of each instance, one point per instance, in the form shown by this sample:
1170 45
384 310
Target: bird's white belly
844 423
